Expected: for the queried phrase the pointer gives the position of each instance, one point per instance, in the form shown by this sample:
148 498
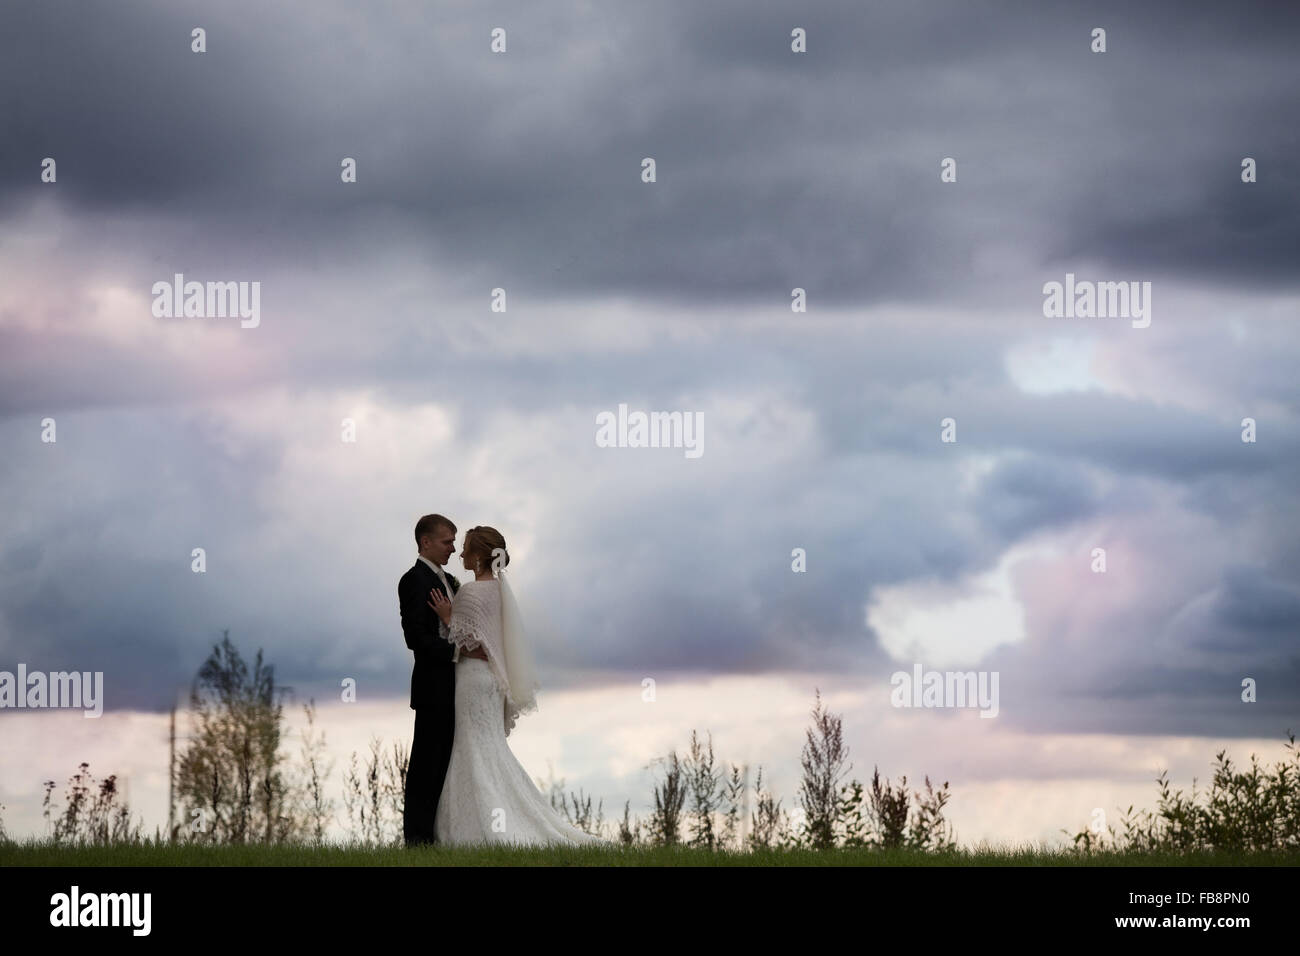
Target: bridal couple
473 676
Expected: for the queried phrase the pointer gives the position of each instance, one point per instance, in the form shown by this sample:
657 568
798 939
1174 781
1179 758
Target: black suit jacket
434 671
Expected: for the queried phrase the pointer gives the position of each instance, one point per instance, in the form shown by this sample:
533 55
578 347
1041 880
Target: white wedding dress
487 796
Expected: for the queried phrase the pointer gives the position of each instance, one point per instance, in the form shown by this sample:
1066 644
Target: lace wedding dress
487 796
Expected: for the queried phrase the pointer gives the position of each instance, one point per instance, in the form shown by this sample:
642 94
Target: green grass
44 853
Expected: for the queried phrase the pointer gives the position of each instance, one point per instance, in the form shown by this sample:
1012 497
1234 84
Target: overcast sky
775 170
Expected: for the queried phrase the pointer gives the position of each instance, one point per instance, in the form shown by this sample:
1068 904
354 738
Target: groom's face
444 543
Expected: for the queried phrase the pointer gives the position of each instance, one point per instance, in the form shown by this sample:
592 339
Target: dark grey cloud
1253 610
774 170
1020 497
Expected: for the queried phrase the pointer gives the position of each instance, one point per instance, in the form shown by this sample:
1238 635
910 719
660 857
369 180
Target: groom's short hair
430 524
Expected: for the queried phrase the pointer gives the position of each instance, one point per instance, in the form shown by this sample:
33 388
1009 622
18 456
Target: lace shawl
476 622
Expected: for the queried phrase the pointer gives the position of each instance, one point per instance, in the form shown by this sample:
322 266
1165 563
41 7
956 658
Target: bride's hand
438 601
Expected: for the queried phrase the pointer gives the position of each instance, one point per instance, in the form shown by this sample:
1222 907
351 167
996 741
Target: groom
433 680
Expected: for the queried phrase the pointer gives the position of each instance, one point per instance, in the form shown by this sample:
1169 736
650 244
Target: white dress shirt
446 585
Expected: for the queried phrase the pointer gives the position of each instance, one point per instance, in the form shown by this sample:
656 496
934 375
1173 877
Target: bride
487 796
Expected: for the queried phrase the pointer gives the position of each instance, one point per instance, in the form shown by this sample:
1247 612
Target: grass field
44 853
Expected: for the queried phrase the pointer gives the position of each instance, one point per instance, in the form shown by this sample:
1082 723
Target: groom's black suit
433 698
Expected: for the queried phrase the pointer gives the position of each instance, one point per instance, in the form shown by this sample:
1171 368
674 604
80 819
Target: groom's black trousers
435 728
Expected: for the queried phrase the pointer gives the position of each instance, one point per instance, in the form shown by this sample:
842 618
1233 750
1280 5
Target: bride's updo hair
481 541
